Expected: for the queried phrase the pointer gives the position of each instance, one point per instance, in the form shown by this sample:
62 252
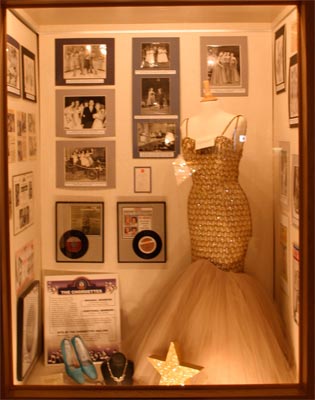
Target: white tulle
221 321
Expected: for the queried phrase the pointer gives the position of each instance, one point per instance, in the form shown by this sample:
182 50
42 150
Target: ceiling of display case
153 15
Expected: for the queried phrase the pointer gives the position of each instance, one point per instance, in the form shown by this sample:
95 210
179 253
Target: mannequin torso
212 122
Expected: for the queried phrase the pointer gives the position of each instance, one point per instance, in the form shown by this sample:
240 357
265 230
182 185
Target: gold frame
302 390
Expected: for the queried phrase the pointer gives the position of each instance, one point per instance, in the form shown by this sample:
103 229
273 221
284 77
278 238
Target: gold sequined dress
218 210
220 317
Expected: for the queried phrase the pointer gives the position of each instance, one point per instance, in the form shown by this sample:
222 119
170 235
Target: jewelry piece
120 378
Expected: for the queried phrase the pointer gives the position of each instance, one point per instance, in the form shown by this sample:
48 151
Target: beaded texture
218 210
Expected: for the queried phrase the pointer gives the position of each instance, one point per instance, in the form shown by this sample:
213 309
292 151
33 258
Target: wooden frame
305 388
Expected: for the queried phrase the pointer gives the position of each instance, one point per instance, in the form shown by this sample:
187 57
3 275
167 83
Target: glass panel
166 239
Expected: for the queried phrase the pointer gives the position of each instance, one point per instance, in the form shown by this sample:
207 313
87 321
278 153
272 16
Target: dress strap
236 117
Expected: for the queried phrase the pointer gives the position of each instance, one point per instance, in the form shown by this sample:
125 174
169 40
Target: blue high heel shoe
84 358
72 367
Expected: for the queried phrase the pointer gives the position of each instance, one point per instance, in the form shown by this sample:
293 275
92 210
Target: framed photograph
141 232
155 54
142 180
28 330
284 173
87 61
11 124
293 92
85 113
80 232
280 59
13 66
29 75
23 202
156 138
224 62
85 164
295 184
156 96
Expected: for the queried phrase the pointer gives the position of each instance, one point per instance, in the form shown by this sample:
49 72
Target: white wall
28 39
139 280
283 133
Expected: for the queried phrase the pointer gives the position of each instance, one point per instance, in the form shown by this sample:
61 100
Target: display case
188 273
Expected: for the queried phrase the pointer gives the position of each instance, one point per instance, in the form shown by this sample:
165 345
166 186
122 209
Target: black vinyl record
147 244
74 244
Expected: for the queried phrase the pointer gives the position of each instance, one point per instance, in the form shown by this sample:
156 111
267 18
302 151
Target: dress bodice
218 211
213 165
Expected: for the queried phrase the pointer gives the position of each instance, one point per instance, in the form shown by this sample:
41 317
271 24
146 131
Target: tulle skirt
221 321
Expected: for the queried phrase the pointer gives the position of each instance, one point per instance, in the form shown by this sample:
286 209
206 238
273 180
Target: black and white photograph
224 64
21 123
85 218
155 55
13 67
156 139
29 76
84 61
31 123
28 330
85 113
155 96
85 164
11 136
293 92
23 201
280 56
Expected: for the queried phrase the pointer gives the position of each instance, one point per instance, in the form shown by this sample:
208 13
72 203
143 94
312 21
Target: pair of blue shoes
77 359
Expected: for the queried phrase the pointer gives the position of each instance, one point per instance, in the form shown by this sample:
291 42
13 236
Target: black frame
109 79
280 59
14 89
293 91
94 242
27 95
129 244
23 320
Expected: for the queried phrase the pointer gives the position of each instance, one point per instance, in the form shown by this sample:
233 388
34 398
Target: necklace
115 378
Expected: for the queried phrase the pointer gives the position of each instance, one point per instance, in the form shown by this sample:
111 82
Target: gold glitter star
171 372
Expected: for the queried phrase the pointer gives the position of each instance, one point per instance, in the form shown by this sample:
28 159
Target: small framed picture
156 138
85 164
85 113
295 184
85 61
224 63
293 92
28 330
280 57
141 232
80 232
13 66
284 173
23 202
155 54
29 75
142 180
